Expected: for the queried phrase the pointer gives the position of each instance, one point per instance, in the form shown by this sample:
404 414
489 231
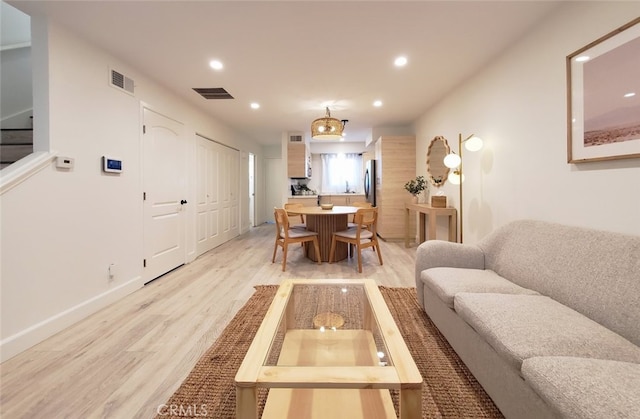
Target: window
341 173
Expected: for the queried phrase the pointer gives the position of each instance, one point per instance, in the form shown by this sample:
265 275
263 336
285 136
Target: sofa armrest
439 253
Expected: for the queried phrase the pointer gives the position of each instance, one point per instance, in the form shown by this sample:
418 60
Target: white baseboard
15 344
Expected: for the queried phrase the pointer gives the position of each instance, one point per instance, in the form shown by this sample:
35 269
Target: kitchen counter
334 198
342 198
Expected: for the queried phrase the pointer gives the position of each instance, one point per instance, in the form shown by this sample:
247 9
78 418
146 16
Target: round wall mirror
436 170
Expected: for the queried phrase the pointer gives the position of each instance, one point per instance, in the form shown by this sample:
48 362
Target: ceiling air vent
121 81
213 92
295 138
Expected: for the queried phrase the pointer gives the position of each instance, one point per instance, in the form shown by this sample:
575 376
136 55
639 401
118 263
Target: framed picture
603 89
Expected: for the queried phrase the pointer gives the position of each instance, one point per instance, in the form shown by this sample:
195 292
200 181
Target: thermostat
111 165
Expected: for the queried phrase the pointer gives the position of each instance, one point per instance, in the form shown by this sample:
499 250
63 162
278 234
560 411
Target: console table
427 210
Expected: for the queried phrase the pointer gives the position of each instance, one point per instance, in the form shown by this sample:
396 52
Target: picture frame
603 97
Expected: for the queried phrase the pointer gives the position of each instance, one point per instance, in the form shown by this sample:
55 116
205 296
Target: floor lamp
454 161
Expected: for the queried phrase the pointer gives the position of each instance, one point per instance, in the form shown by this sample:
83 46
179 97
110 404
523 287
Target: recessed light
377 103
630 94
215 64
255 105
583 58
400 62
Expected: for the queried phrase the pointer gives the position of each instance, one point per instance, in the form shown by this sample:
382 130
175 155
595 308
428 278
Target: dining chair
358 204
361 236
286 235
301 224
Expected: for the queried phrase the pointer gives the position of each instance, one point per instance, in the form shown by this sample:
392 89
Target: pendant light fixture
327 128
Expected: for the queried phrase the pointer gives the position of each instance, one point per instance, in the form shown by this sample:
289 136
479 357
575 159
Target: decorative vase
424 197
414 199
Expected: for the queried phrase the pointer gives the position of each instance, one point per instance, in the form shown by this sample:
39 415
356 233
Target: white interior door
273 172
217 192
230 202
164 186
252 190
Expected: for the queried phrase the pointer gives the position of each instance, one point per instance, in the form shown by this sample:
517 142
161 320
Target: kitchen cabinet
307 201
298 160
396 164
342 199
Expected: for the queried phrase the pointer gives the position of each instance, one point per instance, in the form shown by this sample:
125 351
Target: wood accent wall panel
396 165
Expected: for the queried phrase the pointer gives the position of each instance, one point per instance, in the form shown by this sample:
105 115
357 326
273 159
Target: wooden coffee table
326 349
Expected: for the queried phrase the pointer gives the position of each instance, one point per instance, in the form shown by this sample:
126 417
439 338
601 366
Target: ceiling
296 57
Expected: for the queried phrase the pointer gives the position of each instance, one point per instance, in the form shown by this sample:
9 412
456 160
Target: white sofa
545 316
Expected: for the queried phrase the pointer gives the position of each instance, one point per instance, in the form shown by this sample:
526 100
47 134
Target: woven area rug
449 389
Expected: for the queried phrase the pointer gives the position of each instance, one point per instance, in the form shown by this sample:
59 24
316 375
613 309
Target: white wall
518 106
16 96
338 147
15 68
62 229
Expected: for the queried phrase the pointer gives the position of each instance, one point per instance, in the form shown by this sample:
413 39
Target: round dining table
325 222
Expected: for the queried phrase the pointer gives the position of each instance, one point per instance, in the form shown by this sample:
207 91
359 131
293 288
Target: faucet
347 186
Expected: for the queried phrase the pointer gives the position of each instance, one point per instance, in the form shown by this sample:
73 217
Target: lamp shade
326 128
452 160
454 177
473 144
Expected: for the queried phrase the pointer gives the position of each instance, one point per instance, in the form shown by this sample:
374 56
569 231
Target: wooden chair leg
332 252
284 256
317 247
275 249
359 259
377 248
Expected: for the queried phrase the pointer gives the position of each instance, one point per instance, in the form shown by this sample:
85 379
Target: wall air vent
296 138
213 92
122 82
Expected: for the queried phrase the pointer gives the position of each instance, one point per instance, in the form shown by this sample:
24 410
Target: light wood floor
126 360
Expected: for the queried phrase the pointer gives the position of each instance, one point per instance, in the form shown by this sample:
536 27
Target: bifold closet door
217 193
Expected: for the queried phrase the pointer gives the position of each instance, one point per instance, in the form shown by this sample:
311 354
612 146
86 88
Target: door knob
184 201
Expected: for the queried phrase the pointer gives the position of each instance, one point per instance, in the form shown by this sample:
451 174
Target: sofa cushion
594 272
584 387
523 326
447 282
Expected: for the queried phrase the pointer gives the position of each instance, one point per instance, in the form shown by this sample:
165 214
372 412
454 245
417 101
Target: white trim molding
23 169
35 334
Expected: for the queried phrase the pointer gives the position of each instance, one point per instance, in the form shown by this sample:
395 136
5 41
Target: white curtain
341 171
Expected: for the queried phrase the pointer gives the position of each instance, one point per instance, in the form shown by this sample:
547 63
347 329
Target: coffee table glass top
328 348
328 325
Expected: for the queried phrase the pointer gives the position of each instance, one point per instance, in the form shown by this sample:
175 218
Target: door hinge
144 129
144 263
144 196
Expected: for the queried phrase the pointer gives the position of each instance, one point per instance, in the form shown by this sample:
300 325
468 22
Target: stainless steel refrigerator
370 182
